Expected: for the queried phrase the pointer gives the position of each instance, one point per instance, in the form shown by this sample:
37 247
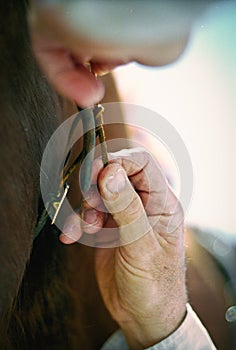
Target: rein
92 121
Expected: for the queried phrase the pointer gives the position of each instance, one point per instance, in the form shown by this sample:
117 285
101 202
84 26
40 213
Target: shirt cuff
191 334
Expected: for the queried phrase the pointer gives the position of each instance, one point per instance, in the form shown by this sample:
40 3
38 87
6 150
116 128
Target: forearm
144 335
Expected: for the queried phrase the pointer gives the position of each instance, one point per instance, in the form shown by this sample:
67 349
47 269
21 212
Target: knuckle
132 212
135 207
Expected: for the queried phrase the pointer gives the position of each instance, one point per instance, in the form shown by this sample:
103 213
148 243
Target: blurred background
197 95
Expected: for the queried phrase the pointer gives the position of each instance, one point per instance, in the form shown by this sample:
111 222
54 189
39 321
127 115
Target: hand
143 282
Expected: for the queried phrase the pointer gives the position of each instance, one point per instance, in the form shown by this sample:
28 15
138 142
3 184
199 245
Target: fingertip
65 239
71 231
97 167
92 221
112 179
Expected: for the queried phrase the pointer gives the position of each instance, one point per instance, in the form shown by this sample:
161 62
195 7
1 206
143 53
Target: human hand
142 282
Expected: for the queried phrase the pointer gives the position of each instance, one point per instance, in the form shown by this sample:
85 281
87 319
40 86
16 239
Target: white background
197 95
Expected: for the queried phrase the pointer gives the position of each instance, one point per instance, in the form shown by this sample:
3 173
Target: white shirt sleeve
191 334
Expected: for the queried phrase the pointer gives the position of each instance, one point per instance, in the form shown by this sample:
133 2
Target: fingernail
90 216
65 239
116 182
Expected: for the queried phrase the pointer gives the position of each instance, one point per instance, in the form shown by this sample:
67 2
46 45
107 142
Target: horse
49 297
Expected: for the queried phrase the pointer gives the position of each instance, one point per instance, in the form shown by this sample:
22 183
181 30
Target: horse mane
33 294
47 300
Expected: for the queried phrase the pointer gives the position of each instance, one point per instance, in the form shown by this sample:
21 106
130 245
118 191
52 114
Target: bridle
92 121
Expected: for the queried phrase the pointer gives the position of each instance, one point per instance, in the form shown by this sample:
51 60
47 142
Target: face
109 33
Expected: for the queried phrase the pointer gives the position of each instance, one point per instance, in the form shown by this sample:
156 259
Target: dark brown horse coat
46 300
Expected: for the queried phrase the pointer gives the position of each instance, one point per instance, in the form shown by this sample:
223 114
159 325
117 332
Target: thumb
123 203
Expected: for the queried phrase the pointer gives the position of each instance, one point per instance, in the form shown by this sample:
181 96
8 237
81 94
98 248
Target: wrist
145 332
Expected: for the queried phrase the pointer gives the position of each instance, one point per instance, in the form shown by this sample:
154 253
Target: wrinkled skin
47 298
134 278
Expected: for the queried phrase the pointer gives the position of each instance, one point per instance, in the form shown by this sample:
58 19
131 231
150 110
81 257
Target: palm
120 274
